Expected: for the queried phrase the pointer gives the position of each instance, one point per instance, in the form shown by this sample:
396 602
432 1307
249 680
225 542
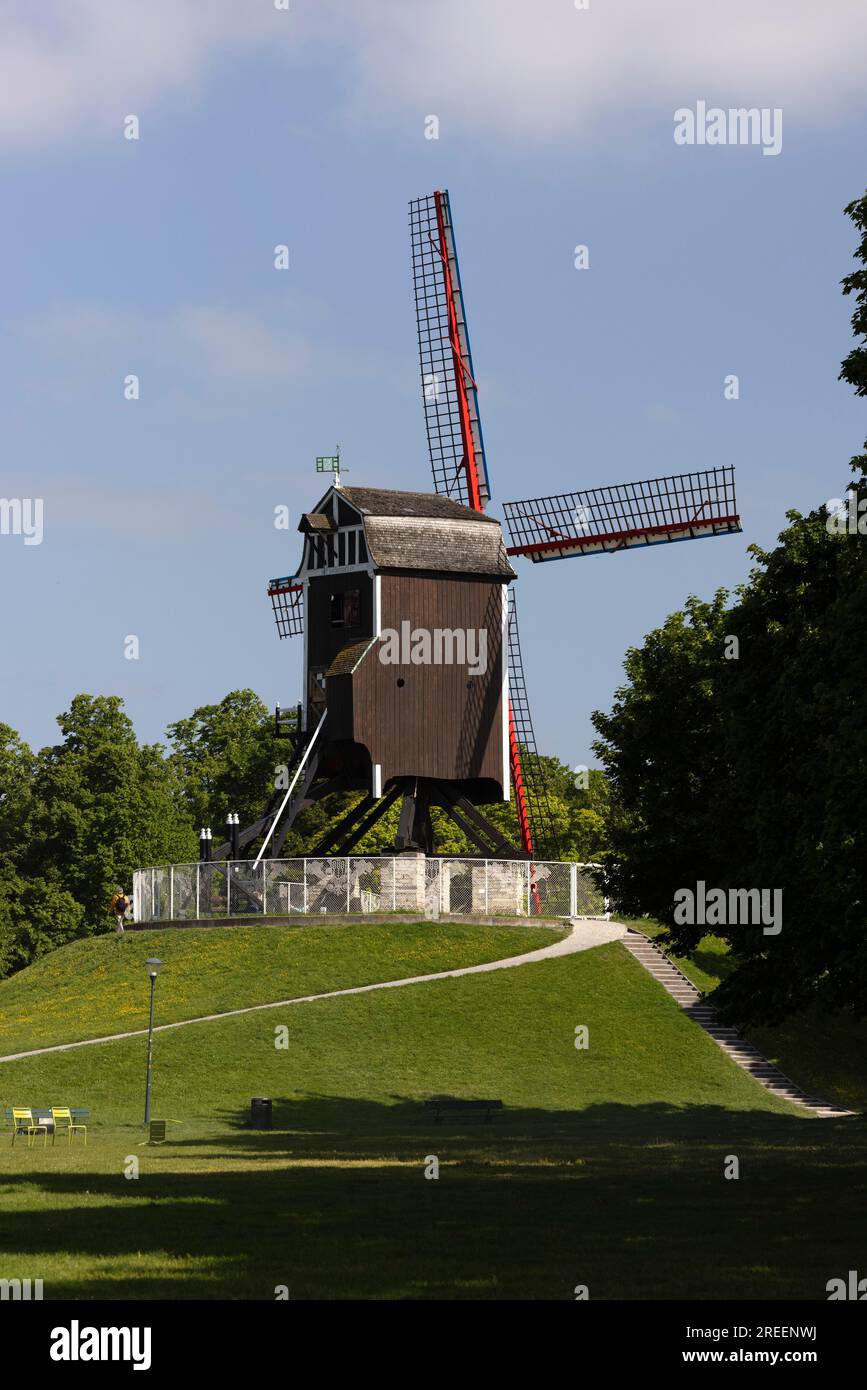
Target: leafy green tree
854 368
102 806
589 813
13 953
227 757
662 752
752 772
797 751
17 765
45 916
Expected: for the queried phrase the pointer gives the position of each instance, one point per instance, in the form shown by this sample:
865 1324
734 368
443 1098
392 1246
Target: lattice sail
527 767
451 408
287 600
685 506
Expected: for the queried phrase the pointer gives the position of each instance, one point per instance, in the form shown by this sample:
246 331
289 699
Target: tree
662 752
17 765
751 773
854 368
101 807
227 757
76 820
797 750
13 953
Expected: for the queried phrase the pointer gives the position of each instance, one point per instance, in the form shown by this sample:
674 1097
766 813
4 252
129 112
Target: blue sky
307 127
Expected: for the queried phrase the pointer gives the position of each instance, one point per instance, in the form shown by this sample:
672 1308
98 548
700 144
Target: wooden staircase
694 1003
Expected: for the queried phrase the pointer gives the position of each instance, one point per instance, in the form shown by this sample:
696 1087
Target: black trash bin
260 1112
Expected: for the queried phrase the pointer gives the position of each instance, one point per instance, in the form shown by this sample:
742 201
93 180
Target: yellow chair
24 1123
63 1116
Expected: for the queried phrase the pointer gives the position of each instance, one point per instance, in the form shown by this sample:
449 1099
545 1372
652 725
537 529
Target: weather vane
330 463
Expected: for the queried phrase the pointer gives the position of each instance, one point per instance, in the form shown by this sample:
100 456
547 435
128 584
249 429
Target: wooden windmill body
405 613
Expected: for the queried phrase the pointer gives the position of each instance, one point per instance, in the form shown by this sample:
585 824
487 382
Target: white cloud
73 67
542 68
524 69
205 343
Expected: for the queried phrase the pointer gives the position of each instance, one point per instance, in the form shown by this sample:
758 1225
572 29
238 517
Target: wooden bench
442 1105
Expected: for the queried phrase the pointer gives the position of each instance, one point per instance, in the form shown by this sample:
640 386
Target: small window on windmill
346 609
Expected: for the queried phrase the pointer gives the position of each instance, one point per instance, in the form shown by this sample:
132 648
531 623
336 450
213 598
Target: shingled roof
316 521
437 543
349 657
386 502
421 531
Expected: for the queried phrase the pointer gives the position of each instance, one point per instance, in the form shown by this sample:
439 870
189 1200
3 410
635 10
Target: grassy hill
826 1053
606 1167
99 986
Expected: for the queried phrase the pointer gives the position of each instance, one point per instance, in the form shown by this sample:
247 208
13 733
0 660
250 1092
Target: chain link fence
406 883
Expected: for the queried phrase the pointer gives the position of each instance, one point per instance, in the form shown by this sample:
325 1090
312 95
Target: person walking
119 905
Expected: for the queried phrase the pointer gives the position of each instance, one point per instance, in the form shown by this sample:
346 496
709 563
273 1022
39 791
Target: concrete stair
694 1003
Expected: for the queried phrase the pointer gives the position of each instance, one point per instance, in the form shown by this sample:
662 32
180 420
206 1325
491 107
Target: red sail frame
454 430
461 369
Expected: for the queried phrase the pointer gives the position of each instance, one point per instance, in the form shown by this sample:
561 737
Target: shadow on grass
715 964
334 1203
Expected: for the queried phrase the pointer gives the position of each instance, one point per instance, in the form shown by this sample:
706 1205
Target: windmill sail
528 776
287 600
685 506
457 453
451 407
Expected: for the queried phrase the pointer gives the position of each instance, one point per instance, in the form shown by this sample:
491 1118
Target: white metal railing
409 883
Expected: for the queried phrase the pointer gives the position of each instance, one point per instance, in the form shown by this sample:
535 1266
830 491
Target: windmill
366 550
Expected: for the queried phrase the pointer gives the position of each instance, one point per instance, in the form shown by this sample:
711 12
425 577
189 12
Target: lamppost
153 969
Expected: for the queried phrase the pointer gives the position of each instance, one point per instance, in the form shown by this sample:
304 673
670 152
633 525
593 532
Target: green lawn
99 986
825 1053
606 1167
